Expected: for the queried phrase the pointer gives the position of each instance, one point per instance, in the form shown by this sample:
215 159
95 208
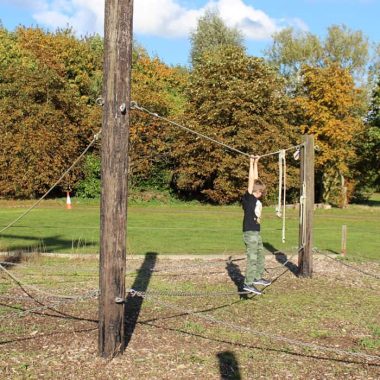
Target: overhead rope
96 137
303 215
134 105
281 207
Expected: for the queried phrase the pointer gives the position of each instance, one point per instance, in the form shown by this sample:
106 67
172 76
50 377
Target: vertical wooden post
344 240
305 258
115 133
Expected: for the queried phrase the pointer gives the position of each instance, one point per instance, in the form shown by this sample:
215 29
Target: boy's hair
258 185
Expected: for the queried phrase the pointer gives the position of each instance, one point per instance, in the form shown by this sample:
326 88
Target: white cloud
85 16
164 18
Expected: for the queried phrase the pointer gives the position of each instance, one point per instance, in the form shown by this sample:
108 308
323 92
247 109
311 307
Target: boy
251 230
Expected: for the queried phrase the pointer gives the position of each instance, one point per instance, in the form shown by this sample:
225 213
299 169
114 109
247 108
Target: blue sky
163 26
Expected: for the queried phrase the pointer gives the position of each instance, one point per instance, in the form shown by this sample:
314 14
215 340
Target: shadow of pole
228 366
282 258
133 305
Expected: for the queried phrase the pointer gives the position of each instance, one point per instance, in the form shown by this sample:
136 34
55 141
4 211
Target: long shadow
236 276
133 305
228 366
50 243
286 351
282 258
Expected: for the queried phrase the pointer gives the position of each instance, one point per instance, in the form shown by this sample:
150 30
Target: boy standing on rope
251 230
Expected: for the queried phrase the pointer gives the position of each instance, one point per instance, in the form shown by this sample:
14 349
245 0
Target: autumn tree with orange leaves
328 107
48 115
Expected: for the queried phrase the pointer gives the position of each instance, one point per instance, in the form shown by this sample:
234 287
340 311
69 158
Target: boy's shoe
262 281
251 289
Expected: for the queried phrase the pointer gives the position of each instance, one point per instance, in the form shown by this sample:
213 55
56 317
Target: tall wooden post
305 258
115 133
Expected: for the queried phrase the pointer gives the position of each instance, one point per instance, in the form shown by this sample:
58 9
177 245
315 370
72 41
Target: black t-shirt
252 212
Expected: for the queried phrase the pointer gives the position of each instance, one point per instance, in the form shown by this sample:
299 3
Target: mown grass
337 308
185 228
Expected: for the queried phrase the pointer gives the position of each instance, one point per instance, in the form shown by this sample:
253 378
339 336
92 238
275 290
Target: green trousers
255 256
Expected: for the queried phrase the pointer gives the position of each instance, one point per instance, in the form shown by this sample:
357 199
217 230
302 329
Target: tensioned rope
23 286
96 137
294 342
281 207
347 265
134 105
23 312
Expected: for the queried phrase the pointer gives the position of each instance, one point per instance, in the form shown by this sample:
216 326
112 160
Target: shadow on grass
48 244
282 258
236 276
133 305
228 366
285 350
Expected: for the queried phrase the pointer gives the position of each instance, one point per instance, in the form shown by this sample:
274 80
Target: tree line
49 83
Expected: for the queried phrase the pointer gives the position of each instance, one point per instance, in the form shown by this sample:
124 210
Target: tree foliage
212 33
46 83
367 167
239 101
291 50
159 89
328 109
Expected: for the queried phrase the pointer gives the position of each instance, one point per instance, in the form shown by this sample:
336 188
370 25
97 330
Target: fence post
344 240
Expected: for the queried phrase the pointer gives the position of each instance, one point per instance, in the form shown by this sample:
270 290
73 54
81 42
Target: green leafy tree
367 168
291 50
212 33
237 100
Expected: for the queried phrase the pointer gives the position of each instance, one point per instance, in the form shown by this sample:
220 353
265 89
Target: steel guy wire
22 313
376 276
294 342
23 286
96 137
134 105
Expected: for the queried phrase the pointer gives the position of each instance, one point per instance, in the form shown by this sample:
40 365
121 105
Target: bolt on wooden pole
305 257
115 134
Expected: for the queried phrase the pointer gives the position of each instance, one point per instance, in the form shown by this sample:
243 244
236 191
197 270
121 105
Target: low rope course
134 105
293 342
149 294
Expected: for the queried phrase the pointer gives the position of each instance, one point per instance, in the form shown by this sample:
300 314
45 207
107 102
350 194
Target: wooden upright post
305 258
115 133
344 240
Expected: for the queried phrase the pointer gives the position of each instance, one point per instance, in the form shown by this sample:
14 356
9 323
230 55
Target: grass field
182 228
326 327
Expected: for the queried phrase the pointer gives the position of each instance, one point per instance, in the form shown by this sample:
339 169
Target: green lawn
182 228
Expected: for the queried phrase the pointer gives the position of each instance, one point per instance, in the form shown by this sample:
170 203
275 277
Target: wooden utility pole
305 258
115 133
